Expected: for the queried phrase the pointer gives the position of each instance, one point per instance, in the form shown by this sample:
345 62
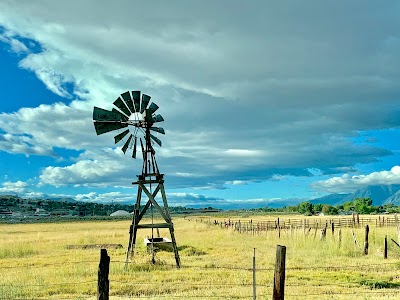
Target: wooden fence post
366 240
279 229
316 229
254 276
279 277
385 248
103 284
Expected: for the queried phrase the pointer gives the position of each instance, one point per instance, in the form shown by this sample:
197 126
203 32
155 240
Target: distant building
40 212
120 213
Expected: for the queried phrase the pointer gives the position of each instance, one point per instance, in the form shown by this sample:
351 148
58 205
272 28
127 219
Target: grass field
216 263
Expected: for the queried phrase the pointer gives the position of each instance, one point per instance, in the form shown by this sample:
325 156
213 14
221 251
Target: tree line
73 208
358 205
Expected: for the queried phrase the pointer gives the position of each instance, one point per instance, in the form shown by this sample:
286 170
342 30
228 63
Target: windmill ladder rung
148 181
160 225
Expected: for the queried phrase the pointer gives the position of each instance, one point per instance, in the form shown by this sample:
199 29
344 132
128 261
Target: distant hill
380 195
332 199
394 199
70 200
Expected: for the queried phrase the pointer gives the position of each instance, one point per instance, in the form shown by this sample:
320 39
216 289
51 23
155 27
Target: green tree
363 205
305 208
348 206
329 210
318 207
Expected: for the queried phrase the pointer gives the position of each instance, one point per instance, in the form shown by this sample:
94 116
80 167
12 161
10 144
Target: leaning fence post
366 240
103 284
279 277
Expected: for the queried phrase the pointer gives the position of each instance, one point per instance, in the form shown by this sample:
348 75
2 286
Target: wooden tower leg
132 238
171 228
177 259
133 229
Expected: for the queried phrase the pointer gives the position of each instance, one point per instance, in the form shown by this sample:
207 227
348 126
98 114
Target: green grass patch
16 251
379 284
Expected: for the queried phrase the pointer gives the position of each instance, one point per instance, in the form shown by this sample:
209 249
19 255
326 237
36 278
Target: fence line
263 285
353 221
47 284
173 266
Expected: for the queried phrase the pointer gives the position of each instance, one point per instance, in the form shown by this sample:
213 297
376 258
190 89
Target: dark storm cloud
248 91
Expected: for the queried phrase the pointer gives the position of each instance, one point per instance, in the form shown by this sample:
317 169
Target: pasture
36 262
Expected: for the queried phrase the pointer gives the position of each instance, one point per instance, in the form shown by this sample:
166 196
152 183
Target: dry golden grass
216 263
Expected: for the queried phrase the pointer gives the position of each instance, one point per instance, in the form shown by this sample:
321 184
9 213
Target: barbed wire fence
223 282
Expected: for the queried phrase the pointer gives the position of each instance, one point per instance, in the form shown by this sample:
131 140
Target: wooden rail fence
307 224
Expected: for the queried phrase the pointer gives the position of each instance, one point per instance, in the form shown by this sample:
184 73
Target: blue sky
264 103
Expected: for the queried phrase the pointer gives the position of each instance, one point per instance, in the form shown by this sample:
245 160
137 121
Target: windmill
134 119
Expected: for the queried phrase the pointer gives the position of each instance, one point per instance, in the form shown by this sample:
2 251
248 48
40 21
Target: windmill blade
100 114
145 102
153 107
125 147
158 118
103 127
121 105
120 136
158 129
134 148
136 100
156 139
123 117
128 101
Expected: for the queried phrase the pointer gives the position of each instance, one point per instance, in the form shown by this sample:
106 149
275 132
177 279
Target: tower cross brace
150 176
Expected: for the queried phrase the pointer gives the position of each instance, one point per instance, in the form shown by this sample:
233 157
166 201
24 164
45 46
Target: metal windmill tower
135 118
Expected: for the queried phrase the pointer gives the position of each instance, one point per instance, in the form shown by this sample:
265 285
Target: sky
265 102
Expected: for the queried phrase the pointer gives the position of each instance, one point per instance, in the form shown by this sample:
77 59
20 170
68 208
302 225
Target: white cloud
111 197
18 47
38 130
17 187
347 183
53 80
236 182
15 45
105 167
243 152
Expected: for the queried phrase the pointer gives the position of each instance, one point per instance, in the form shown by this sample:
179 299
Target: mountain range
380 195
